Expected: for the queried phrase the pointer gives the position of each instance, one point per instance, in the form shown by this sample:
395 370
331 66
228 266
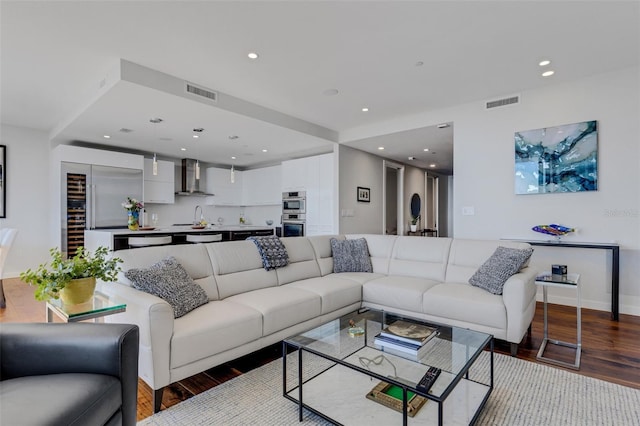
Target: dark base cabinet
121 242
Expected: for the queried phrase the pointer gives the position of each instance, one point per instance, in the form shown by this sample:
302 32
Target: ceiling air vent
202 92
502 102
125 130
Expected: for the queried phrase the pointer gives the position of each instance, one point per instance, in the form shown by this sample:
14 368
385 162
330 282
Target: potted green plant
414 223
72 279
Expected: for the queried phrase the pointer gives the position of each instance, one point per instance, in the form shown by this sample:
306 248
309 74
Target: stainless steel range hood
190 185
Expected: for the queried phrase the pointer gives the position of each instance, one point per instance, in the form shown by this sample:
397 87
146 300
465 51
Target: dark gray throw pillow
350 255
168 280
503 263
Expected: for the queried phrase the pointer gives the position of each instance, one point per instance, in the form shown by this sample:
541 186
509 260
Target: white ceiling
55 54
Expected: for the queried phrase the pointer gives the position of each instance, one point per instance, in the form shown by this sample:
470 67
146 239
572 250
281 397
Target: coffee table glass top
453 349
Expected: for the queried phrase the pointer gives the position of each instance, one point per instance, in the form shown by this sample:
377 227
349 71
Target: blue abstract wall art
557 159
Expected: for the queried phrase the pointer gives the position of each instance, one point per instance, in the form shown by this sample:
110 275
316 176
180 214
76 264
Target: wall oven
293 225
294 202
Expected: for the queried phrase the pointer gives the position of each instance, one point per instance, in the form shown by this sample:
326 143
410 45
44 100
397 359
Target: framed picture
3 181
364 194
557 159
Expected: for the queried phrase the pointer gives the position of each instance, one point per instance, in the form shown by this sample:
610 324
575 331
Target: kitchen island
117 238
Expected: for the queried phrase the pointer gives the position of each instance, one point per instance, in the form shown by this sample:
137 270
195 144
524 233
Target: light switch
468 211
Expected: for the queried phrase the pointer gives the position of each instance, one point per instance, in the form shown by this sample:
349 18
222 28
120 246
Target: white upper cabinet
225 192
159 189
262 187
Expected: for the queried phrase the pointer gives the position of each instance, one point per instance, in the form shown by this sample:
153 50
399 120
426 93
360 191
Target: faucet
195 215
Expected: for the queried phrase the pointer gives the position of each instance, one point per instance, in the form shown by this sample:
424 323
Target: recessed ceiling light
198 129
544 63
106 136
365 109
432 165
426 150
411 158
233 137
548 73
330 92
196 136
264 150
442 126
156 120
183 149
253 55
233 158
381 148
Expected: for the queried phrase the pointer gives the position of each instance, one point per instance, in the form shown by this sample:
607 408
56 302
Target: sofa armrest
519 295
40 349
155 318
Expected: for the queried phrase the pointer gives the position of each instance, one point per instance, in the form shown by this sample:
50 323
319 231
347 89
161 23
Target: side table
547 280
99 306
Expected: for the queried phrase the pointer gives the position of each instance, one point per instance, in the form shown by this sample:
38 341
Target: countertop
185 229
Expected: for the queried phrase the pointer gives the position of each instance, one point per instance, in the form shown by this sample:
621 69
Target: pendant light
155 165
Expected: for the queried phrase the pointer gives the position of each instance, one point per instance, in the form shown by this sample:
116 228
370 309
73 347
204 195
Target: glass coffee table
345 378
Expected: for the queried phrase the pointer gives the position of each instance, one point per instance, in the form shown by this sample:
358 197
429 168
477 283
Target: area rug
525 393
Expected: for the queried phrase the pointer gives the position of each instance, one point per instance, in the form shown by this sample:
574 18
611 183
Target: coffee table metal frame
571 281
290 343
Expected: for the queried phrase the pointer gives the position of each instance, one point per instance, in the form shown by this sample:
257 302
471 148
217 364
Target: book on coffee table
409 332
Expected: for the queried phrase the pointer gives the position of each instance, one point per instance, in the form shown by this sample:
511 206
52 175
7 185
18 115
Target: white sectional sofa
250 308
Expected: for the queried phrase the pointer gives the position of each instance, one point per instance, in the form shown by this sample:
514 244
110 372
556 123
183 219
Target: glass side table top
547 277
100 305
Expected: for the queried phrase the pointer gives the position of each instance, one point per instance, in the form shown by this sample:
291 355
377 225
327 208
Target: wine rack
76 210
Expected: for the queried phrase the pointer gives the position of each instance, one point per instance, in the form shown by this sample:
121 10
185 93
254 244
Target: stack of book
405 338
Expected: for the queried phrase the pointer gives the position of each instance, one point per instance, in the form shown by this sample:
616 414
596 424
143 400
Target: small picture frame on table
364 195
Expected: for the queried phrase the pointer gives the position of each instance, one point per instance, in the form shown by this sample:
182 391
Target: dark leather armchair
68 374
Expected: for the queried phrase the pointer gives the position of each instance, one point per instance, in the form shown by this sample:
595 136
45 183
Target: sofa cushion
350 255
237 268
168 280
302 261
60 399
420 257
463 302
281 306
380 248
335 292
212 329
503 263
193 258
359 277
466 256
322 247
397 292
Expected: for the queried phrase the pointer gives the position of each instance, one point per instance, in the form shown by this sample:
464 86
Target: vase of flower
132 221
133 207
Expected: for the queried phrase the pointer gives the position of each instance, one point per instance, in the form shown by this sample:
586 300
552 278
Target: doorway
431 207
393 190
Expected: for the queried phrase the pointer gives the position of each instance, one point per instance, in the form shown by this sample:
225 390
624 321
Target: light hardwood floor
611 350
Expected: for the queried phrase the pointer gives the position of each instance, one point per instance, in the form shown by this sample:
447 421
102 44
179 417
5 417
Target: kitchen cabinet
219 183
159 189
316 176
261 187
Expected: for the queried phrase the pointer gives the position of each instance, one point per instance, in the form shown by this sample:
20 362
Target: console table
615 266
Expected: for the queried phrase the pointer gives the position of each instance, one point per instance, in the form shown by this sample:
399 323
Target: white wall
484 178
27 174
